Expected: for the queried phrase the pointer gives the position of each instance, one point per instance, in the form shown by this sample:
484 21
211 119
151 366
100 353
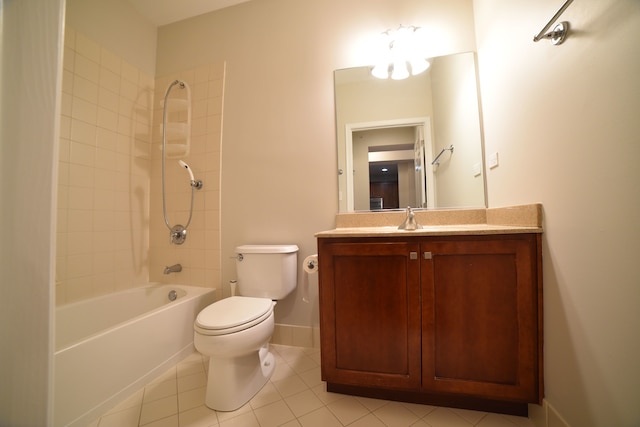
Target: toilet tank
267 271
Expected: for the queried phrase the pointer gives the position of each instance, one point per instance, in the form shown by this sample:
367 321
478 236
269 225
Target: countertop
507 220
434 230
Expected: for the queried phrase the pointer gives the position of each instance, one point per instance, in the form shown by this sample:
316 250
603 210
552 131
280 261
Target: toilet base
233 382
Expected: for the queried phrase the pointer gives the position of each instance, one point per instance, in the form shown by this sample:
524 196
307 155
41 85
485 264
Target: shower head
186 166
195 184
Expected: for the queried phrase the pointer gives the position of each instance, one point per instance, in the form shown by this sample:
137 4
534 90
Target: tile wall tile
110 230
200 254
104 170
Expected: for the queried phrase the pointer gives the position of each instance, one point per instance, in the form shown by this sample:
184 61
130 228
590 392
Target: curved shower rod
178 232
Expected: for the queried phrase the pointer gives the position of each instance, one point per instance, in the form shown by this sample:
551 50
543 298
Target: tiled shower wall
104 169
110 231
200 253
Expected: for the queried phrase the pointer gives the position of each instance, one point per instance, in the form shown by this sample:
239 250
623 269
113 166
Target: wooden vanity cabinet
448 320
370 313
480 317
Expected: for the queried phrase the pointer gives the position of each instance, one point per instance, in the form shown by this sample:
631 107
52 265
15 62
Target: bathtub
108 347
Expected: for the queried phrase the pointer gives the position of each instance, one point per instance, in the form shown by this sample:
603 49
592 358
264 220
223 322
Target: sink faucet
410 222
176 268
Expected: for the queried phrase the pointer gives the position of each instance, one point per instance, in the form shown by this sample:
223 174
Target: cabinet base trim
461 402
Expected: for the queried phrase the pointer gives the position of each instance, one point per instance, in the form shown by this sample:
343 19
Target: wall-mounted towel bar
559 32
435 161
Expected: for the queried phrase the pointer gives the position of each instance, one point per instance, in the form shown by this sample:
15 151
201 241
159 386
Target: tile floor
295 396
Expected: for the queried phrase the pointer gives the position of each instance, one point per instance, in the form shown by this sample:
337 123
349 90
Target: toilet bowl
235 332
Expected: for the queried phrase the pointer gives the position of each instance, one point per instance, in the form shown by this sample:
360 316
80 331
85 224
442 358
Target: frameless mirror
415 142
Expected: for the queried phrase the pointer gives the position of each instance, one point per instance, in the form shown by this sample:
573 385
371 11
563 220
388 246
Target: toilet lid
234 313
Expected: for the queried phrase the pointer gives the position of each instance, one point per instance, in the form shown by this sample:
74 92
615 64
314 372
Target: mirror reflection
414 142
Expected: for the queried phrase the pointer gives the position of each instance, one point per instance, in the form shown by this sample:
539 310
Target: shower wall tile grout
200 254
110 232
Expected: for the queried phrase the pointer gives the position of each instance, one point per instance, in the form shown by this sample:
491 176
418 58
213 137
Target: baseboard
546 416
298 336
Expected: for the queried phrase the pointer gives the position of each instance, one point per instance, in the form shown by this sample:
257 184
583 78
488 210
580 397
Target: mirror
415 142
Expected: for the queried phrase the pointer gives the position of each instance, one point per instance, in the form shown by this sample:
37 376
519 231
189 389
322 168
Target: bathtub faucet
176 268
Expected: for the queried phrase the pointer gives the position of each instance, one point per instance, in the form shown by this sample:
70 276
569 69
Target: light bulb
419 65
399 70
402 37
380 71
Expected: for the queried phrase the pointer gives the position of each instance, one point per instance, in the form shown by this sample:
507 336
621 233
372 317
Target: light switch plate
477 169
493 160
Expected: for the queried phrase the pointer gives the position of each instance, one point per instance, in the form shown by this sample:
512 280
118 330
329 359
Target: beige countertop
507 220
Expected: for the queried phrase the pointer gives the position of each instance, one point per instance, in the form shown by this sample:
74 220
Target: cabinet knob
427 255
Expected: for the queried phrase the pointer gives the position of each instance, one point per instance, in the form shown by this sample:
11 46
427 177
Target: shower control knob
178 234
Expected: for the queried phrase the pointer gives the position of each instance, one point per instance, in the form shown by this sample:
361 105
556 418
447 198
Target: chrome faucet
410 222
176 268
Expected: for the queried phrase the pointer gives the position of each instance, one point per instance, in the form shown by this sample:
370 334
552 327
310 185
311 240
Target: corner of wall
298 336
538 414
545 415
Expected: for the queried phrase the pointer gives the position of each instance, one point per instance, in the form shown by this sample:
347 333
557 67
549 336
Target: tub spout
176 268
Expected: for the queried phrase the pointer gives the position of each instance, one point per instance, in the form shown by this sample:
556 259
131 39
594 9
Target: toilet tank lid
266 249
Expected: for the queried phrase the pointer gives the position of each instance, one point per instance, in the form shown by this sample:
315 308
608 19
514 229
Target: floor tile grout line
177 396
292 358
284 399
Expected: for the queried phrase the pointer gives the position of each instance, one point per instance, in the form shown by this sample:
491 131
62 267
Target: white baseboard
546 416
299 336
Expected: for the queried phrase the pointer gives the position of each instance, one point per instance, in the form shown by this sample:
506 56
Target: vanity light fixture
400 58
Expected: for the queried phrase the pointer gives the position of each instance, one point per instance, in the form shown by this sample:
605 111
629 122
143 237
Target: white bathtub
110 346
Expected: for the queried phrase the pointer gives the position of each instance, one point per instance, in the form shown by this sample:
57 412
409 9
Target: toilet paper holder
310 264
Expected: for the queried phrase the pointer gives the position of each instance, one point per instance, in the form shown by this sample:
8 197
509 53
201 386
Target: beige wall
456 122
564 120
279 173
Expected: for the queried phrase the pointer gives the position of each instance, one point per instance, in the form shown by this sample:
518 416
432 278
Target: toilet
235 332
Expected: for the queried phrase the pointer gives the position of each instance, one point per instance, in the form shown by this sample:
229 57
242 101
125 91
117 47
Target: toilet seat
233 314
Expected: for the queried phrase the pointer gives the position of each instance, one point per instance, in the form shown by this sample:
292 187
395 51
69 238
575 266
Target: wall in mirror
389 133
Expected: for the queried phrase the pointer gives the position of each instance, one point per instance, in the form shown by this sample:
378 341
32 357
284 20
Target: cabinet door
370 314
480 318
